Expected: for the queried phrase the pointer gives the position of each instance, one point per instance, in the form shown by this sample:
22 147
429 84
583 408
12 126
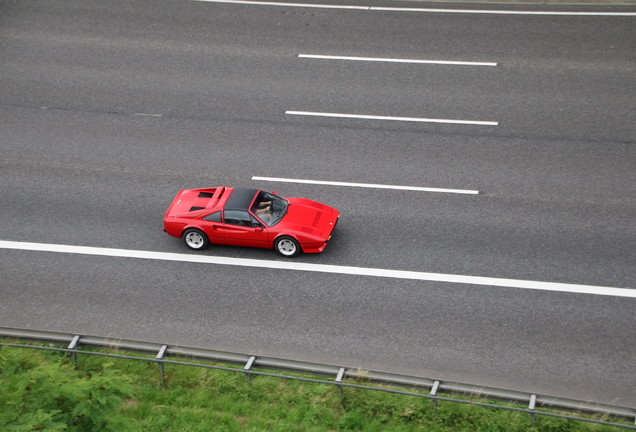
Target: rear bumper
173 228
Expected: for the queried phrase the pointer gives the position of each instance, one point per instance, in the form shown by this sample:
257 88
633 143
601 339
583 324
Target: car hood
310 217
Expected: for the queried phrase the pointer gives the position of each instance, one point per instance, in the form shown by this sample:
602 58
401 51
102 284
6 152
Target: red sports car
250 217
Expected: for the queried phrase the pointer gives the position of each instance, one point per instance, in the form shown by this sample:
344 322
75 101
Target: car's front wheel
195 239
287 246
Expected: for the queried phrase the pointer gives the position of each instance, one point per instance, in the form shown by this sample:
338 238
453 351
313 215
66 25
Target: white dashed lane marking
395 60
403 119
365 185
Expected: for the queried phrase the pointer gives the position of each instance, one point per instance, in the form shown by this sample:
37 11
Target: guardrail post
341 373
160 356
73 346
434 393
248 368
531 405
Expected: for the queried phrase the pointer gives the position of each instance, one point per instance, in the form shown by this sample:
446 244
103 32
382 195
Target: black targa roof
240 199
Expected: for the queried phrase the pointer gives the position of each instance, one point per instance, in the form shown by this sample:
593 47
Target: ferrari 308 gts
250 217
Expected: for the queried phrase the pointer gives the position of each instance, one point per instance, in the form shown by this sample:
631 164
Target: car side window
255 222
214 217
240 218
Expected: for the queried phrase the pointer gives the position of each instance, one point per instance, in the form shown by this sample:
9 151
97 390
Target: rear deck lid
188 201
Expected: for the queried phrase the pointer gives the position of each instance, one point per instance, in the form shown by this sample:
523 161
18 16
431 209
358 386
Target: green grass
44 391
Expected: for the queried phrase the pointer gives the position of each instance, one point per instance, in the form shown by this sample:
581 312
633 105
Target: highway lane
146 59
551 343
556 183
114 180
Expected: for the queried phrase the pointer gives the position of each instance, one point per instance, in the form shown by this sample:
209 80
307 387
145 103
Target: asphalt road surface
109 108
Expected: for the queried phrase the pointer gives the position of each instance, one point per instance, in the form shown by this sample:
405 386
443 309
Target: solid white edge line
366 185
394 60
404 119
425 10
500 12
322 268
307 5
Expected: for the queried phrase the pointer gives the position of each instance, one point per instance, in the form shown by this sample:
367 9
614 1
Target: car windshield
269 208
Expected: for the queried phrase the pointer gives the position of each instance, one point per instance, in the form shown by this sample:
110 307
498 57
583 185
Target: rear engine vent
195 208
205 195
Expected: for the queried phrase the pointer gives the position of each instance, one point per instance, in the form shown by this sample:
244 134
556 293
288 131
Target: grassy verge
44 391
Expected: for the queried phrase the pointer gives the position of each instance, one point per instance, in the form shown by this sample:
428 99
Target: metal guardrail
337 373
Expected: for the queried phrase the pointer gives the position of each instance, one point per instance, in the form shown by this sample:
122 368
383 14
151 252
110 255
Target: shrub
41 394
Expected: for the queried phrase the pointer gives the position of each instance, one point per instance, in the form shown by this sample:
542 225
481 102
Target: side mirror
274 193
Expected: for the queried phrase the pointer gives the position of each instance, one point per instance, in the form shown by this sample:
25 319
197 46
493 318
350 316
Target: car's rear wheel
287 246
195 239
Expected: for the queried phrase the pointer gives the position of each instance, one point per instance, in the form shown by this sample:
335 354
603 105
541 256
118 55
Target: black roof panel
240 199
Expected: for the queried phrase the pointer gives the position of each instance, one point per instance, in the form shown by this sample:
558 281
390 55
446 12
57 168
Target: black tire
195 239
287 246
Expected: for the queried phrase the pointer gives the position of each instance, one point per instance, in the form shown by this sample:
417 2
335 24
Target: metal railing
338 375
